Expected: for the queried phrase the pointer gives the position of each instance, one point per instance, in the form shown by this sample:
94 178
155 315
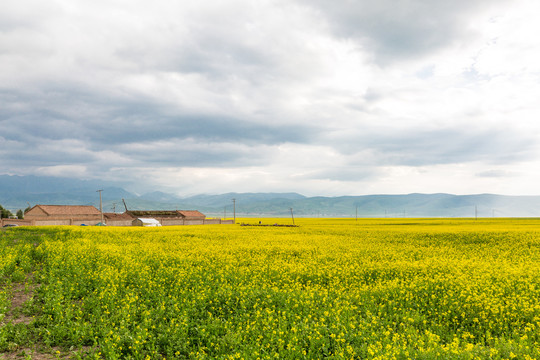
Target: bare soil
21 293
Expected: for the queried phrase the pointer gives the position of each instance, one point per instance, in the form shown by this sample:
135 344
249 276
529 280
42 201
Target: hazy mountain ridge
16 192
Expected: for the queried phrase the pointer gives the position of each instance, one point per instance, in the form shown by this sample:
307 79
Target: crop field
330 288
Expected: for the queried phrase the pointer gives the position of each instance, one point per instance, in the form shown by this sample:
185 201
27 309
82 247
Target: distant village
90 215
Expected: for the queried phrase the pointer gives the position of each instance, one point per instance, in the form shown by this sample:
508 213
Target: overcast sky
345 97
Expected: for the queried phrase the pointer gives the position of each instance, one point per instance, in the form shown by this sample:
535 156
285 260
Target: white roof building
146 222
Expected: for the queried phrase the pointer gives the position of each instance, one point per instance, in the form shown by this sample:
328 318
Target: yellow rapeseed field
330 288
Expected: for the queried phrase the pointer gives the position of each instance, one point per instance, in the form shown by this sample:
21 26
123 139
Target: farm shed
63 215
145 222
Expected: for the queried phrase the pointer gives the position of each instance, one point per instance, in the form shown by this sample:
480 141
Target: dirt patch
21 293
40 354
28 354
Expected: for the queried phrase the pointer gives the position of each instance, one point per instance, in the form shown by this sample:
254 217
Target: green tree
20 214
5 213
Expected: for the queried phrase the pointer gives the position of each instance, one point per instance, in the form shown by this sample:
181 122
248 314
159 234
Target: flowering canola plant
330 288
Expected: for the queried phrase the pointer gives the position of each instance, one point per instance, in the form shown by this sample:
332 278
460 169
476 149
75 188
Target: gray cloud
417 147
402 29
114 121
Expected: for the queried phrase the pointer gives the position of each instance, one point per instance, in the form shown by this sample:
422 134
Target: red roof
191 213
68 209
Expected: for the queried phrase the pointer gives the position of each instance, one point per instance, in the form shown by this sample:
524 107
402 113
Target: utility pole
114 207
475 212
234 210
100 205
124 201
292 216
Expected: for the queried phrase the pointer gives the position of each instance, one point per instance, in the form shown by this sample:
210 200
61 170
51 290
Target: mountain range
19 192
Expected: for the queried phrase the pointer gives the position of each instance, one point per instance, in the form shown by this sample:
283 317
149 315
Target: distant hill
411 205
244 198
17 191
217 205
160 197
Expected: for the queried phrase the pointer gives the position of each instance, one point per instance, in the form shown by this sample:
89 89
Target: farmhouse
63 215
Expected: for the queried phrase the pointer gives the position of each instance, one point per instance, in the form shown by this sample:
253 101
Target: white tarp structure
145 222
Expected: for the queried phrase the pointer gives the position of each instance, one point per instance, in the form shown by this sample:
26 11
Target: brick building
63 215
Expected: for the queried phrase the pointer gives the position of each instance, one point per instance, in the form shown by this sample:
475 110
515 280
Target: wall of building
20 222
169 222
48 222
214 221
119 222
29 216
83 221
51 222
57 222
